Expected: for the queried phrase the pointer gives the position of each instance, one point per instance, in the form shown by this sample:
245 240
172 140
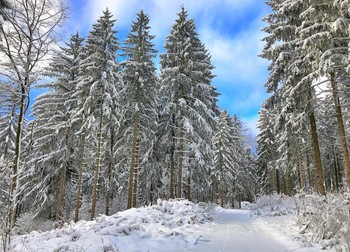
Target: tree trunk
336 171
181 156
221 196
59 211
317 156
310 182
301 172
80 177
272 172
278 181
97 170
189 184
62 182
136 171
133 160
216 192
109 174
11 215
287 190
239 201
108 189
341 128
151 194
172 162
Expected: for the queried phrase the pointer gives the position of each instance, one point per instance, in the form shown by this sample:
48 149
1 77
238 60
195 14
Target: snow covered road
238 231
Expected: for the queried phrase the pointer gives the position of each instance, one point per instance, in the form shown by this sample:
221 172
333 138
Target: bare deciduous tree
28 36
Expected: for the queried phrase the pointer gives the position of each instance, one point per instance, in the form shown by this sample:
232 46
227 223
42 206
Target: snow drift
163 223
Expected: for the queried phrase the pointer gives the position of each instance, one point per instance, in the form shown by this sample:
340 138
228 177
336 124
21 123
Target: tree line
109 135
304 124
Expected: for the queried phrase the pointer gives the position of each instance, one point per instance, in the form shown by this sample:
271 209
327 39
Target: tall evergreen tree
97 91
224 172
266 149
190 104
324 34
54 138
140 103
290 81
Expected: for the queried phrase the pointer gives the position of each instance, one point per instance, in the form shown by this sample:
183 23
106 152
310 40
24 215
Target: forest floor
171 226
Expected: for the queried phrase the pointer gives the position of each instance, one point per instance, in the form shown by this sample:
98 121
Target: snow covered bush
274 205
26 223
325 219
164 221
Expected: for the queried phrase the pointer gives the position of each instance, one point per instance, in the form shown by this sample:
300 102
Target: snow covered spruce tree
97 94
139 104
224 171
8 126
324 34
332 155
246 176
28 36
266 150
54 156
290 83
190 107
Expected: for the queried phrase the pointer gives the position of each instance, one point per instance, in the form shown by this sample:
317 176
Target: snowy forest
118 125
109 132
304 124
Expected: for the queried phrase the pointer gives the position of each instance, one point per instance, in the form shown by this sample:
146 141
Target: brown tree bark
109 175
60 199
133 160
189 197
80 177
136 173
172 163
301 172
341 129
319 178
11 217
97 170
273 176
181 155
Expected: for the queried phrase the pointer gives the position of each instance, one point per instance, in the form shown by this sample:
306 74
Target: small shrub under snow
274 205
165 219
325 219
320 219
26 223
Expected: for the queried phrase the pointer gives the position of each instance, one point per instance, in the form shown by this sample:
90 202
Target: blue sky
230 30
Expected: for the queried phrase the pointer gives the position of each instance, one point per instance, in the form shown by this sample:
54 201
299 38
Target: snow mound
275 205
167 222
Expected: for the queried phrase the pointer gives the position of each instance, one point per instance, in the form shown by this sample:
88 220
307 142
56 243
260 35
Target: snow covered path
238 231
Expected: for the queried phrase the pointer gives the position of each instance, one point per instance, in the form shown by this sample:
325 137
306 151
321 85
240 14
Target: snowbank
161 227
275 205
313 220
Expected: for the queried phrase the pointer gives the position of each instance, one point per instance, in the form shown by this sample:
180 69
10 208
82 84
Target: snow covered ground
239 231
177 225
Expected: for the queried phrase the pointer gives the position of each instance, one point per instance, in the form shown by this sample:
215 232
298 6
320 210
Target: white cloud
237 58
251 122
246 101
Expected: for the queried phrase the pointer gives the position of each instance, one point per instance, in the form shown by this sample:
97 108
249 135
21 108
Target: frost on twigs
274 205
325 219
